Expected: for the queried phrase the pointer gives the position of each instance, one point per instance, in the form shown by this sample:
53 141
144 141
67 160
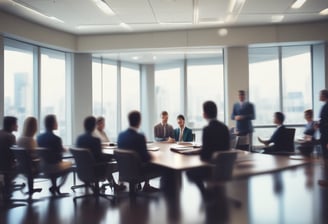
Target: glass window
264 83
280 79
205 81
168 91
19 81
297 82
130 91
104 89
53 90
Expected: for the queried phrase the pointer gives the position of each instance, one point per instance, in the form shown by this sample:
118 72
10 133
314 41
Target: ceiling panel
211 10
170 11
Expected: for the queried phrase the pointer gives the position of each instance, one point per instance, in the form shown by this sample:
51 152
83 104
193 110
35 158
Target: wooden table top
247 164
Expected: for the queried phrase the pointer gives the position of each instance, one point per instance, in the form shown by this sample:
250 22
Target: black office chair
223 164
90 172
286 144
27 167
131 170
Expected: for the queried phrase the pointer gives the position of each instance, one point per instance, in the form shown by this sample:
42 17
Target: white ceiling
84 17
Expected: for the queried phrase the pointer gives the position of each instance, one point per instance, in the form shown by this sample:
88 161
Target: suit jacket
51 141
159 132
247 109
7 159
132 140
92 143
186 135
323 124
216 137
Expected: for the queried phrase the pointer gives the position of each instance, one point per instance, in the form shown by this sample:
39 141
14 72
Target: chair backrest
223 165
129 165
85 164
24 160
288 139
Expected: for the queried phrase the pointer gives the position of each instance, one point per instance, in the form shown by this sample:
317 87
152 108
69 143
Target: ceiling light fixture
103 5
34 11
298 4
195 11
324 12
236 6
277 18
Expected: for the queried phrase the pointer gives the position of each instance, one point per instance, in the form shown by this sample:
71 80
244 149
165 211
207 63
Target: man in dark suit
243 113
323 127
279 136
88 141
7 159
130 139
216 137
53 142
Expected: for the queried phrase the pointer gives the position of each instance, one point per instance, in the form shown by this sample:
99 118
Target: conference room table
246 165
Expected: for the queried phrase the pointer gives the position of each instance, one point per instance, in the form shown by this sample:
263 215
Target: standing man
215 137
243 113
323 127
164 131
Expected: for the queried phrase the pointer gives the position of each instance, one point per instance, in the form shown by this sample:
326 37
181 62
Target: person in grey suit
164 131
243 113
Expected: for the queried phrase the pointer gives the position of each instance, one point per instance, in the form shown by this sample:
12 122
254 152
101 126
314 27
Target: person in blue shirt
182 133
243 113
311 126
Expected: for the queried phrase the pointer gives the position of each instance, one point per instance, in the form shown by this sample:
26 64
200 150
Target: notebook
187 150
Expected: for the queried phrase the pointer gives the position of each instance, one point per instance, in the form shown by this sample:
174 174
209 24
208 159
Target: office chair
223 164
27 168
242 142
130 169
90 172
52 171
285 146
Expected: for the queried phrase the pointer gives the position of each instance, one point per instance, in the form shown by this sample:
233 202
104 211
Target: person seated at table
216 137
311 126
54 143
131 139
27 139
99 130
278 137
7 159
164 131
182 133
88 141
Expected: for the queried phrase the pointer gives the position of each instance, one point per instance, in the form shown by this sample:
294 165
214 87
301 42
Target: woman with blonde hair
27 140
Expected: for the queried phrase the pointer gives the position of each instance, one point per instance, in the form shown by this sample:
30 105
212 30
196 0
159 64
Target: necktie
180 135
164 131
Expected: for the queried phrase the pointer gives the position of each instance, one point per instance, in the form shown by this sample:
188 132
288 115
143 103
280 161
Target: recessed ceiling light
324 12
298 4
135 57
103 5
277 18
